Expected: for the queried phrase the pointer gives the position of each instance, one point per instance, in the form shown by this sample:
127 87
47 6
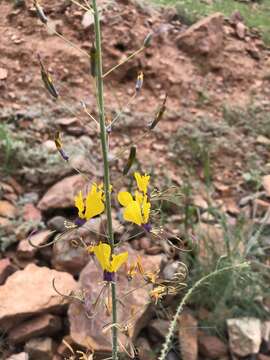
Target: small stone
31 213
88 19
57 223
26 251
19 356
266 184
188 336
6 269
7 209
33 287
212 347
244 336
3 74
40 348
240 30
46 324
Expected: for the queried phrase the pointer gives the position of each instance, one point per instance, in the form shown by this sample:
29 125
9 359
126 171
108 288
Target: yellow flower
135 210
142 181
92 205
109 264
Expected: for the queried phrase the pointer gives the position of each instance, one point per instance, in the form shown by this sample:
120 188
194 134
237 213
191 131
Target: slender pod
47 80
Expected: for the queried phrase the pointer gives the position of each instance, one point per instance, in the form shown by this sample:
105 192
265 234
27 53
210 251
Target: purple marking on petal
79 222
63 154
108 276
147 227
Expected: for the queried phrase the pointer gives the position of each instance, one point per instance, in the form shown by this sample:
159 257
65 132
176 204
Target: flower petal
103 253
79 203
142 181
133 213
124 198
118 260
94 204
146 209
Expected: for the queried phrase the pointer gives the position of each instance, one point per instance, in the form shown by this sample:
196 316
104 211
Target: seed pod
40 13
47 80
139 82
158 115
147 40
132 156
58 144
93 58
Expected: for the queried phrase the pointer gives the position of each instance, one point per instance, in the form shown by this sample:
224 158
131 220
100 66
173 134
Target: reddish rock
26 251
6 269
212 347
204 37
31 213
67 257
146 352
5 223
263 357
7 209
188 336
87 331
30 292
61 195
46 324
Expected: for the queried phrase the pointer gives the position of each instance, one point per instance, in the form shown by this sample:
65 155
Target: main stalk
104 144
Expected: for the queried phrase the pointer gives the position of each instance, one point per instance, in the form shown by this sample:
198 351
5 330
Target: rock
46 324
40 348
31 213
20 356
244 336
88 19
188 336
240 30
7 209
212 347
263 357
266 184
204 37
67 257
145 350
57 223
89 330
6 269
61 195
145 243
170 270
265 346
3 73
210 236
157 329
33 286
26 251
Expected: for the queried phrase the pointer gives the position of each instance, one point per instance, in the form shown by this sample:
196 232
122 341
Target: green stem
103 136
166 345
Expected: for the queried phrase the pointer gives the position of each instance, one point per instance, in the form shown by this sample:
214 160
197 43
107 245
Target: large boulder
133 308
29 292
204 37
